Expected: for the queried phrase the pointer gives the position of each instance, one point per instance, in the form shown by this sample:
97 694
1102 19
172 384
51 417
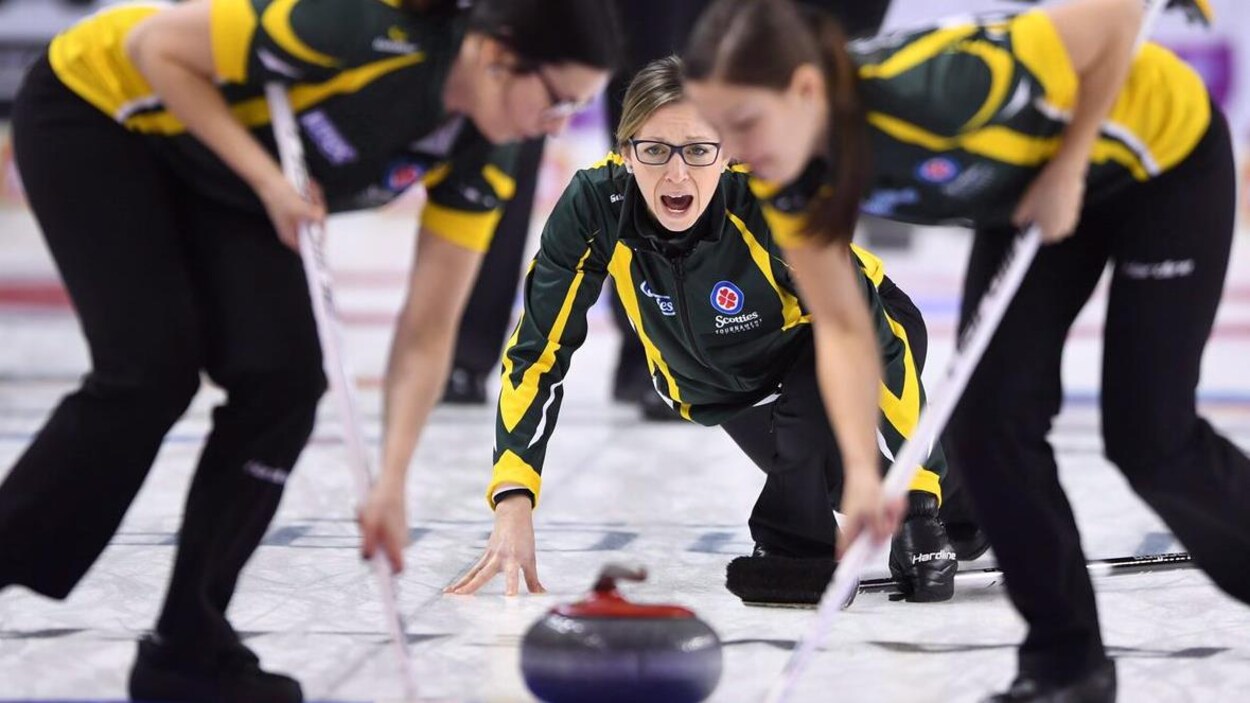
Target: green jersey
962 116
716 310
364 77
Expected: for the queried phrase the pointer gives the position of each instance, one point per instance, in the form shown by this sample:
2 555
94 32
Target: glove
922 560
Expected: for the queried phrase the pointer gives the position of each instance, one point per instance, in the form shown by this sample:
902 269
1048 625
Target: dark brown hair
760 43
552 32
541 32
431 6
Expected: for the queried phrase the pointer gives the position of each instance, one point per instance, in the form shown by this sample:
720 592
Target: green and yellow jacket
964 115
365 79
715 308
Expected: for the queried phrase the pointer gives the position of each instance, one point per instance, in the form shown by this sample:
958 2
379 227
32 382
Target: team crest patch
403 176
938 169
727 298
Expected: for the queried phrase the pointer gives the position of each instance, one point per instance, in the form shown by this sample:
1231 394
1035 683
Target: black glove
922 560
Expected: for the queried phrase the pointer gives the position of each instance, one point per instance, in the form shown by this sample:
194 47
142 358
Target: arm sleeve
562 284
954 79
1040 51
902 393
307 41
467 196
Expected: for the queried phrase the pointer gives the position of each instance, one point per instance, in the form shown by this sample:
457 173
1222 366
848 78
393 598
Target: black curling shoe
464 387
1098 686
164 673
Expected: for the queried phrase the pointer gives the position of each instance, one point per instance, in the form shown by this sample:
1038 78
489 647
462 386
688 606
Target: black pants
1168 240
791 440
166 284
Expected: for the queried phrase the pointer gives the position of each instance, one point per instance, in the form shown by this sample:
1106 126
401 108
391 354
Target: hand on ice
510 550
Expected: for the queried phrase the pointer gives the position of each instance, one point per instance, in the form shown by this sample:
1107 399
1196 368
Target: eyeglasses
653 153
558 108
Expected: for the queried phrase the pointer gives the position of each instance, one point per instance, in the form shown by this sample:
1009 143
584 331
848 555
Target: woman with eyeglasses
1052 117
727 337
144 143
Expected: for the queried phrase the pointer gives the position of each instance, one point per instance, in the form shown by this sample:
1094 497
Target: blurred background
306 588
371 251
1221 54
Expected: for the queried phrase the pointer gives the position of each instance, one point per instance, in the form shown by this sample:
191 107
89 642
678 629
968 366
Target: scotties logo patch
403 176
727 298
938 169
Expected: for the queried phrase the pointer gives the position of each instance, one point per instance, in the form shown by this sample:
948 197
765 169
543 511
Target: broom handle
343 389
898 479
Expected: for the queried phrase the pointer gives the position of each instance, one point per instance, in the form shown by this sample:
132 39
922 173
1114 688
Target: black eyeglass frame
674 149
558 106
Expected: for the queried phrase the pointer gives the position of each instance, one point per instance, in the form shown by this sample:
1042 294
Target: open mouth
677 204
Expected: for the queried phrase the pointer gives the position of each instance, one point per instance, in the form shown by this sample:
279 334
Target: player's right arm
1096 41
848 366
848 370
174 50
561 286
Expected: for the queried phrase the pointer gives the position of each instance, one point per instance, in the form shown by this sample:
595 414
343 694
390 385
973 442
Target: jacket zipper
679 272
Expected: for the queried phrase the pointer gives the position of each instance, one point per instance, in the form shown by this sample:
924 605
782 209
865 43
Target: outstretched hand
510 550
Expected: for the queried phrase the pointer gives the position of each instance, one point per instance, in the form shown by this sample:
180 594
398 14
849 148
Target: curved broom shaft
342 388
979 332
897 481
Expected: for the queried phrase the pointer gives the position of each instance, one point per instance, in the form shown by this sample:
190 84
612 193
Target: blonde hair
658 84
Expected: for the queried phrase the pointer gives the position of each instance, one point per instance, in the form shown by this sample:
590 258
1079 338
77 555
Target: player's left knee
280 390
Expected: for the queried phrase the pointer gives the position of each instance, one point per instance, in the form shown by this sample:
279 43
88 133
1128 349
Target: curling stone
609 650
